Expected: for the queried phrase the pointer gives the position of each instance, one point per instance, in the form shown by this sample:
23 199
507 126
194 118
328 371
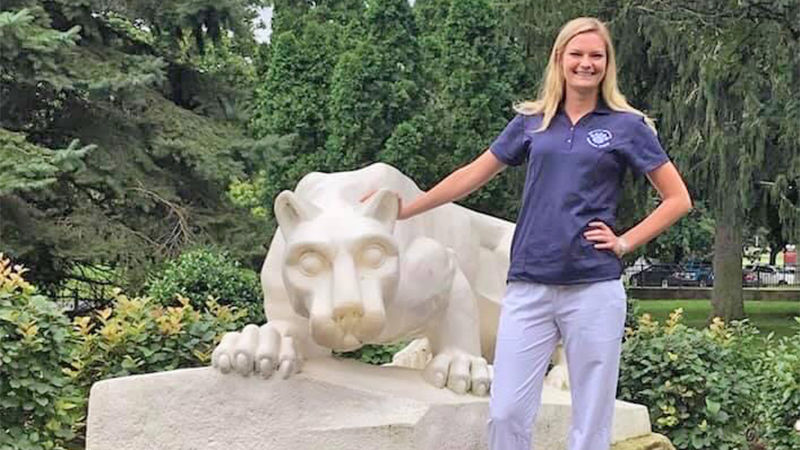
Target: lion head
341 266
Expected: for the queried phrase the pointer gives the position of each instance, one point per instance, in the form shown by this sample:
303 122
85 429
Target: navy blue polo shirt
574 177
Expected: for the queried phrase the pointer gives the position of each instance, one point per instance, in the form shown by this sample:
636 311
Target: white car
763 275
789 275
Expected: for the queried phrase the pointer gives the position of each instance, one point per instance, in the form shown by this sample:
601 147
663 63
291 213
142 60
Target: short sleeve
511 146
645 153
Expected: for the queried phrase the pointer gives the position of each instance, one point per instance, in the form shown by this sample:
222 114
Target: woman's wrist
623 247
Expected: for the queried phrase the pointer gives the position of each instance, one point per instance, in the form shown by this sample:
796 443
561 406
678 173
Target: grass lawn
767 316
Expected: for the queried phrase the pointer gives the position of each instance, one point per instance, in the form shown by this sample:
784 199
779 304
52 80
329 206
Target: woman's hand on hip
605 239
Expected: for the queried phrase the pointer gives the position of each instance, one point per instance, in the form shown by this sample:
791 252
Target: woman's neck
578 104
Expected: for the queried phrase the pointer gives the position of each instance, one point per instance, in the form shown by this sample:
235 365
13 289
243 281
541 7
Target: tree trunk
726 300
774 249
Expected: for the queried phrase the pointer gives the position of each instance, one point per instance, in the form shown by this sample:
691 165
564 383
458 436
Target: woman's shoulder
528 118
628 117
631 122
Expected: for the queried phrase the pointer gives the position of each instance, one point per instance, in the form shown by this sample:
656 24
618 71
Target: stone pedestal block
331 405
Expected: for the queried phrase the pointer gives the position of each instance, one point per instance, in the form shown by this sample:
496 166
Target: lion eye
311 263
373 256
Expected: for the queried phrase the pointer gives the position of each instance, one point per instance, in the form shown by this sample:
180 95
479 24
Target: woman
578 138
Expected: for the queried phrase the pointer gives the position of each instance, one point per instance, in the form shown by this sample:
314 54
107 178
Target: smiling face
583 62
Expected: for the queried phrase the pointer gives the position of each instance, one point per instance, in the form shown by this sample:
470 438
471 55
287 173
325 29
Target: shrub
138 335
779 401
700 385
38 406
631 314
201 273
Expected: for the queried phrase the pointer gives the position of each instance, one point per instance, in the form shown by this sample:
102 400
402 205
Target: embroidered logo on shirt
599 138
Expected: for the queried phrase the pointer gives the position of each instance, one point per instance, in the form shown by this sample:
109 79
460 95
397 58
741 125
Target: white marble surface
333 404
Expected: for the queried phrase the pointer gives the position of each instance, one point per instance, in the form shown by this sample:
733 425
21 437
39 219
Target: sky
264 16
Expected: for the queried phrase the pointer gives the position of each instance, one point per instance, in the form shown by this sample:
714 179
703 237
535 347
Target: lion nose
348 311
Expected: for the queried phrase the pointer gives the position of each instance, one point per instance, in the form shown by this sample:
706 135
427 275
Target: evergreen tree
119 79
720 76
534 25
473 72
374 87
292 98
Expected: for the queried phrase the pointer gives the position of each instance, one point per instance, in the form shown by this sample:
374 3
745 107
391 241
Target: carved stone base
332 404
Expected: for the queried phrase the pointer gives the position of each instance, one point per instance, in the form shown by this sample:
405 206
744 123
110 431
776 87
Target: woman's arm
675 203
455 186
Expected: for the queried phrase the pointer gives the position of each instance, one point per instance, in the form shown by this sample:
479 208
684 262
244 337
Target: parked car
660 274
699 274
640 264
763 275
788 275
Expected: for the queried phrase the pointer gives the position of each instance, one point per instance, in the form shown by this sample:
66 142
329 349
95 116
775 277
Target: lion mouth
349 323
347 332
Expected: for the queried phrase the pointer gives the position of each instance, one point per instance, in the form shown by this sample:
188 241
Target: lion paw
262 350
458 371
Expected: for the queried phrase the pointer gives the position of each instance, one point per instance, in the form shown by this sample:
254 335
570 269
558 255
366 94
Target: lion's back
347 188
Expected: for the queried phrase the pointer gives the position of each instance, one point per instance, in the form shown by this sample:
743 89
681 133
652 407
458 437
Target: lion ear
291 210
383 206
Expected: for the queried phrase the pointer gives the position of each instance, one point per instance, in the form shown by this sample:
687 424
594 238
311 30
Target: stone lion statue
340 274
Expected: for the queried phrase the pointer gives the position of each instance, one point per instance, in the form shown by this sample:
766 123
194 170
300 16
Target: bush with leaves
203 272
779 393
700 385
631 315
139 335
39 407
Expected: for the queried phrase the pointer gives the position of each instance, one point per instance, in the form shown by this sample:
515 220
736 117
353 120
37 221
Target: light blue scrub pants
590 318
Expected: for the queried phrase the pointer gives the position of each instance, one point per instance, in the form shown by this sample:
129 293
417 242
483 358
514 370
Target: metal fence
656 274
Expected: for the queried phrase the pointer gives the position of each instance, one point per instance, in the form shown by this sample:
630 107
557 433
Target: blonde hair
551 92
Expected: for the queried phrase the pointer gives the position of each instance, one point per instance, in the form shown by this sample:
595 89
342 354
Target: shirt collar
600 108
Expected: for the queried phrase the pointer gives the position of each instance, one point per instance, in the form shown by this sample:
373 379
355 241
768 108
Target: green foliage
275 166
719 77
632 313
202 273
425 98
180 25
32 51
375 354
229 70
718 99
160 113
476 74
138 335
39 406
690 238
292 101
700 386
374 86
154 184
779 397
25 166
292 98
47 369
